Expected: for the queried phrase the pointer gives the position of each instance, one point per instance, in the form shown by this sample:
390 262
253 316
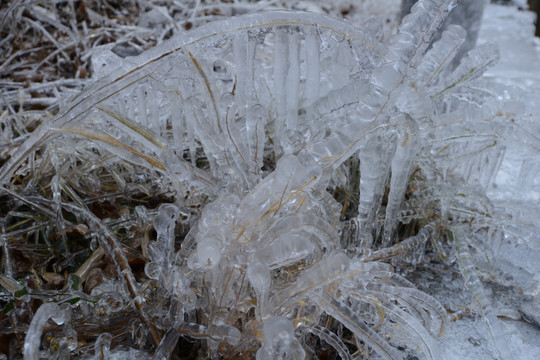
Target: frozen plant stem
473 283
114 248
33 336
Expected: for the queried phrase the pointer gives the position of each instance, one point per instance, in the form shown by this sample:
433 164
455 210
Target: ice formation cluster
304 162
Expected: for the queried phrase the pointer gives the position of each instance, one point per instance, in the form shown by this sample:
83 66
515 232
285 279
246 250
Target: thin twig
115 251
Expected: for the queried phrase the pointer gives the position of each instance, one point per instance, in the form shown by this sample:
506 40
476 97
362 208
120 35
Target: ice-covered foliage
295 163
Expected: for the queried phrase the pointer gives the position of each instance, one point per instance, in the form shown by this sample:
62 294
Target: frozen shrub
244 131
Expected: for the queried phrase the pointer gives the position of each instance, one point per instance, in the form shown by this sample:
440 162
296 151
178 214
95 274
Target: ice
281 65
259 277
279 341
467 14
292 82
313 68
207 256
273 131
158 16
316 277
401 167
375 163
164 223
104 61
102 345
226 333
32 340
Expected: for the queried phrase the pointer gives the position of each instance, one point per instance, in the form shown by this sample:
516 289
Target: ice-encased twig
438 59
114 249
406 246
331 339
315 278
485 307
344 314
435 318
32 340
141 69
411 324
472 66
280 341
401 166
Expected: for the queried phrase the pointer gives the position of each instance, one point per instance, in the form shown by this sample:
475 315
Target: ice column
161 252
468 14
33 336
279 341
260 279
375 159
401 169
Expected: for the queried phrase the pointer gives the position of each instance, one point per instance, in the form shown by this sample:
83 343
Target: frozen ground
512 29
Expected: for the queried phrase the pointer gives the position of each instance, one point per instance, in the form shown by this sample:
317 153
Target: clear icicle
375 160
281 64
401 168
279 341
32 340
313 69
292 82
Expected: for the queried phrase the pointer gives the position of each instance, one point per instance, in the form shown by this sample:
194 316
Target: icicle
244 52
313 69
260 278
279 341
281 65
177 118
292 82
256 119
401 168
141 117
32 340
375 161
